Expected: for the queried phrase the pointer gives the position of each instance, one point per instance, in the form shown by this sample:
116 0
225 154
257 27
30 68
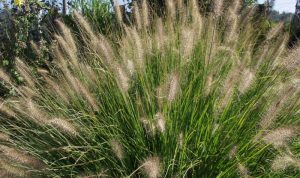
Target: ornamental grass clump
183 95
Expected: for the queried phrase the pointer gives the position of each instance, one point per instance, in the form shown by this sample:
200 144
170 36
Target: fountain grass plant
184 95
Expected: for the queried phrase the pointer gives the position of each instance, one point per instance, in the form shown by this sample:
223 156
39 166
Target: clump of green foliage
185 95
24 29
99 12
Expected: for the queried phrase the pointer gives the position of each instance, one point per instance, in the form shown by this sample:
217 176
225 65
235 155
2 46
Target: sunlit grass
186 95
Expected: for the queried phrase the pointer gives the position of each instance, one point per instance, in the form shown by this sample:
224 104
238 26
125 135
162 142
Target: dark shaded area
294 31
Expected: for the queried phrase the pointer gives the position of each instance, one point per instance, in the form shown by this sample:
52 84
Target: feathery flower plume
123 79
20 157
208 84
243 171
137 15
180 5
271 114
275 31
106 49
35 113
139 48
130 67
295 82
43 71
24 70
5 77
4 137
246 80
148 125
218 7
64 126
100 174
60 60
160 35
180 139
187 42
72 82
27 92
118 12
228 88
117 148
35 48
84 25
233 152
152 167
71 54
6 110
161 122
10 170
292 61
280 136
174 87
251 11
89 73
145 13
171 9
233 33
161 95
281 163
278 58
197 18
56 88
181 8
236 6
87 95
67 35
